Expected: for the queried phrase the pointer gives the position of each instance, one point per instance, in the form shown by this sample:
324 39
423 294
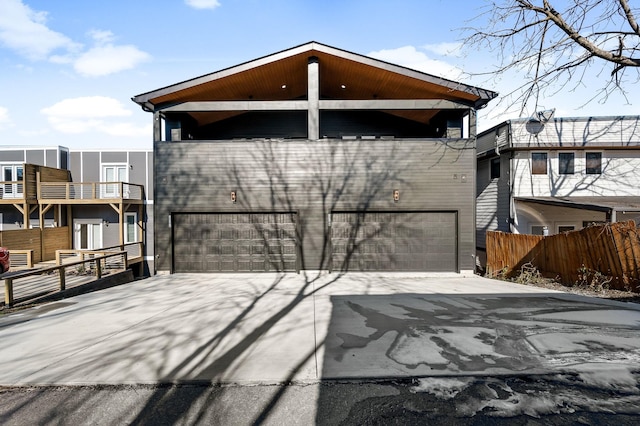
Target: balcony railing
67 191
11 190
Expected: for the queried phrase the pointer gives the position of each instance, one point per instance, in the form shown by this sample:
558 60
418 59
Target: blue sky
68 69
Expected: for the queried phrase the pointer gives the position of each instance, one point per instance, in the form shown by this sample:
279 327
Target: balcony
90 193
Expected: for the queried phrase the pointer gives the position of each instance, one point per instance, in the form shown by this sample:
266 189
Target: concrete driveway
270 328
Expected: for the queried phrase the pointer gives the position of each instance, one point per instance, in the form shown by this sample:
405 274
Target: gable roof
343 75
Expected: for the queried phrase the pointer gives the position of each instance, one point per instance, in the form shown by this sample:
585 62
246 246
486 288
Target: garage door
234 242
394 241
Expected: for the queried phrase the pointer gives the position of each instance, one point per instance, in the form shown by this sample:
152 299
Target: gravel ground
619 295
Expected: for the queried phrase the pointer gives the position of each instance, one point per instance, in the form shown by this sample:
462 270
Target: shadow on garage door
394 241
234 242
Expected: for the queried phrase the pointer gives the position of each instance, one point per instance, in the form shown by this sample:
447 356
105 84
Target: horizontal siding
620 176
313 178
579 132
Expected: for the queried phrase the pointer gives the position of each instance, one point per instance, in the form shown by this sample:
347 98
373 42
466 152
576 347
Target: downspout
511 180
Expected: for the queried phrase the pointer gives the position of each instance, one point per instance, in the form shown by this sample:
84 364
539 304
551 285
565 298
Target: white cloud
411 57
202 4
445 49
5 121
109 59
25 31
93 114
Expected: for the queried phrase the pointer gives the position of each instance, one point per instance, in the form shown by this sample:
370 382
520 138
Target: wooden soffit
283 76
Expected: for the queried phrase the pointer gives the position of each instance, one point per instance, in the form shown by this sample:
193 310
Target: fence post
8 292
58 257
98 268
62 275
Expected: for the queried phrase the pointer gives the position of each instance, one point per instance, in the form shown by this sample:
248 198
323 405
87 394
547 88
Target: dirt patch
529 275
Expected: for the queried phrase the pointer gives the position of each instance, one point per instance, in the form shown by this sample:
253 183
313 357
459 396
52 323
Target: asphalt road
521 400
288 350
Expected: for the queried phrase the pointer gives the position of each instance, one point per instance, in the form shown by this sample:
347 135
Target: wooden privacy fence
611 249
42 242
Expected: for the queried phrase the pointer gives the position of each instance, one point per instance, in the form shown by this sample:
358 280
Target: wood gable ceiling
343 75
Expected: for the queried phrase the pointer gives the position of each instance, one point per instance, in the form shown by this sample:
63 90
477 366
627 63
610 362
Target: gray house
556 174
314 158
102 195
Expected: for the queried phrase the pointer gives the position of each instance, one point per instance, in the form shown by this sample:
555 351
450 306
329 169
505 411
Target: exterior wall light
234 197
396 195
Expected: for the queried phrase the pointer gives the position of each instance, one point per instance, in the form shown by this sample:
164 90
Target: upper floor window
566 162
594 163
539 163
12 175
495 168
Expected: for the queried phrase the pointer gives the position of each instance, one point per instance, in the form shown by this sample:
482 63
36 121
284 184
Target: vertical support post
62 276
157 127
121 220
70 225
26 213
313 94
98 268
8 292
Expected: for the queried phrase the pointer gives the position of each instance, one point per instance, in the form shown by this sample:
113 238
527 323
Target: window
594 163
88 236
12 176
587 223
565 228
113 173
495 168
131 226
539 163
539 230
566 163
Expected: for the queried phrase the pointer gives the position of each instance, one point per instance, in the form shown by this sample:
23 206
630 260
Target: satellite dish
538 120
546 115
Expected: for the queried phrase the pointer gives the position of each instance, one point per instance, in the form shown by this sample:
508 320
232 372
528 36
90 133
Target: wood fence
42 242
612 250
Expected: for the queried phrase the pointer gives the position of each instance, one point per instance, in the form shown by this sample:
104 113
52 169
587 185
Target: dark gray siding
148 238
138 169
314 178
76 166
12 155
51 158
91 167
150 181
35 157
114 157
492 202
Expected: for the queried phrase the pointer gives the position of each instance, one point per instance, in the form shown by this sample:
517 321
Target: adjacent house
548 175
102 196
314 158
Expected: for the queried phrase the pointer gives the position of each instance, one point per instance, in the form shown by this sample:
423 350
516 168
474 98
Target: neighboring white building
536 176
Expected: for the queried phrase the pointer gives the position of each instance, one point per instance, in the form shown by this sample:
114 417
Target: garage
234 242
394 241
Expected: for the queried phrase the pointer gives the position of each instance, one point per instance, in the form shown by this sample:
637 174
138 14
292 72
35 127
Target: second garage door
234 242
394 241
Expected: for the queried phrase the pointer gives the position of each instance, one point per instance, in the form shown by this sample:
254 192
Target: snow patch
444 388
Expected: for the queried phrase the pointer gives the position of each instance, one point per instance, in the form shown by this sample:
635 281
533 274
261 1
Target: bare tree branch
552 48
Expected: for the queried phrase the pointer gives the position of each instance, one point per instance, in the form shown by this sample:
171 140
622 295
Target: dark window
539 163
495 168
592 223
565 163
539 230
566 228
594 163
